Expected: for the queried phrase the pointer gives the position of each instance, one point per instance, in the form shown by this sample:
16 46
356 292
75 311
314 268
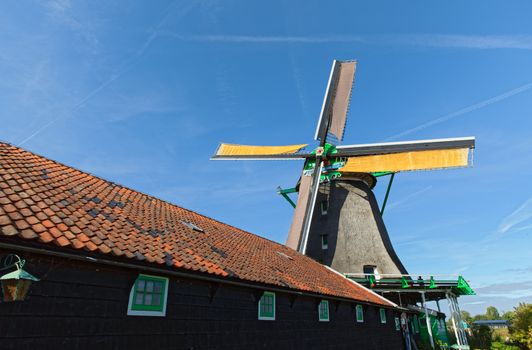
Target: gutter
91 259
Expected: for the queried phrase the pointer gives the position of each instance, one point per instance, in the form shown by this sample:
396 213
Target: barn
89 263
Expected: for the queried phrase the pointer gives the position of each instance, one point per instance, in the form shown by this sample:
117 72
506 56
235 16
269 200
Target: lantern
16 284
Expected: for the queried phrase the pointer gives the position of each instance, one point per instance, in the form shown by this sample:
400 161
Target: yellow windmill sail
408 161
227 149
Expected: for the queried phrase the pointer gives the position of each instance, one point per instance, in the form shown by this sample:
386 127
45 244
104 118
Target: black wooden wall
83 306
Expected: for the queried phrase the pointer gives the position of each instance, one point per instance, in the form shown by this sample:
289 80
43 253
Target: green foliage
498 345
466 317
481 337
492 313
521 326
508 315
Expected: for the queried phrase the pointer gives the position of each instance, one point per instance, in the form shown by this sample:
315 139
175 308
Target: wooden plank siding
79 305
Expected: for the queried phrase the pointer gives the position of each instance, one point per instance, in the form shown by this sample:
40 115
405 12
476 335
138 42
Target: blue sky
141 93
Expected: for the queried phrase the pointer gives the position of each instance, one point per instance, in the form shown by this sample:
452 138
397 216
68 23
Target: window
371 270
324 242
323 311
148 296
383 315
397 324
416 324
267 306
360 313
192 226
324 207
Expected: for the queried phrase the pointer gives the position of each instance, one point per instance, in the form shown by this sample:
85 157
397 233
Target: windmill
335 194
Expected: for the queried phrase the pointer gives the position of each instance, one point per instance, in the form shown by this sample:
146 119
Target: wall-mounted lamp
16 284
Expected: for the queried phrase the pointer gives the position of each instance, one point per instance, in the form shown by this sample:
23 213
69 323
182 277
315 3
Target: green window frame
323 311
267 306
397 324
416 324
383 315
360 313
148 296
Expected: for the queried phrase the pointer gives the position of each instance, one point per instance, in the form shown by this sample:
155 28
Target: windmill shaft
311 201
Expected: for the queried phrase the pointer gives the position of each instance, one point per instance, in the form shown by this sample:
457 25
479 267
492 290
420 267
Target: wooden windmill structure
337 220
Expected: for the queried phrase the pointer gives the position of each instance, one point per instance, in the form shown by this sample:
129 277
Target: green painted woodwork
149 293
267 306
382 173
323 310
382 313
330 164
387 193
360 313
439 332
285 192
371 281
464 287
457 287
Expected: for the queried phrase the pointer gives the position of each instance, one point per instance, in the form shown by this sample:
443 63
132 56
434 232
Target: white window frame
266 318
323 302
162 313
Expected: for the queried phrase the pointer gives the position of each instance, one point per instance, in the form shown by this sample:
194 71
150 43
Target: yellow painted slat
406 161
227 149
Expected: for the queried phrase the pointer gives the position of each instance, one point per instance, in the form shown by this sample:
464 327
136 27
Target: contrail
128 63
462 111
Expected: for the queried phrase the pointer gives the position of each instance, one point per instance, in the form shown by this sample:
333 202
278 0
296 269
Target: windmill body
341 178
337 220
347 230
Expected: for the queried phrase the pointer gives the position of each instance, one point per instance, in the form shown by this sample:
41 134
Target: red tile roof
53 204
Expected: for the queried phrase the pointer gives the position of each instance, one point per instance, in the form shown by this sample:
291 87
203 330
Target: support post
427 319
387 193
438 305
284 193
455 320
461 327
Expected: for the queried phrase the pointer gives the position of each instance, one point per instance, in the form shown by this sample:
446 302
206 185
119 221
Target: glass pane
156 299
147 299
140 285
149 286
158 287
138 298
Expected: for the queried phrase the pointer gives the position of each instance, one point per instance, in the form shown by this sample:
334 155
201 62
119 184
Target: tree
492 313
508 315
466 317
521 326
481 337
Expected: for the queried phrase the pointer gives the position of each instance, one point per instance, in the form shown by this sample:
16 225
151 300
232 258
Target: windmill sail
231 151
408 161
335 106
408 156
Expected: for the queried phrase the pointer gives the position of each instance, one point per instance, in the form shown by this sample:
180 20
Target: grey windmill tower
337 219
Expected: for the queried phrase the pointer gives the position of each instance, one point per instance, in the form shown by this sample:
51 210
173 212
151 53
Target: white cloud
520 215
523 42
463 111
